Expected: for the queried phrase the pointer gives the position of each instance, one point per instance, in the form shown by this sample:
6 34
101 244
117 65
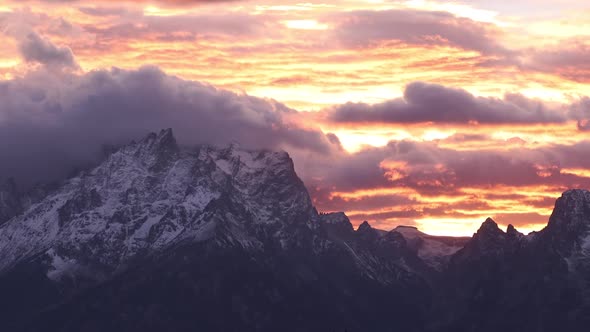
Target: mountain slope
528 281
147 196
157 227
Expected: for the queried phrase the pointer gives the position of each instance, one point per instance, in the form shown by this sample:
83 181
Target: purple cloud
50 124
363 28
424 102
35 48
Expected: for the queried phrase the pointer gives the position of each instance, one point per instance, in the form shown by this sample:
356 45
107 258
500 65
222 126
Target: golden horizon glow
305 25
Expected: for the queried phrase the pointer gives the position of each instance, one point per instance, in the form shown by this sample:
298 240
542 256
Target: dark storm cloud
50 124
424 102
35 48
363 28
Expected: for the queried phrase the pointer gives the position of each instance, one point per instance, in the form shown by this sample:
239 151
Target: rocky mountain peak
156 149
489 240
364 227
411 233
569 224
489 229
489 226
576 194
512 232
510 229
335 218
366 232
164 137
572 208
337 223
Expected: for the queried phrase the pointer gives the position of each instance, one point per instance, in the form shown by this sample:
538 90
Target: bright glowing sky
439 113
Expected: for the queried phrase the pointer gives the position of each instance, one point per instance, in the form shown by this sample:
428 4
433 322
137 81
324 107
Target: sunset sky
436 114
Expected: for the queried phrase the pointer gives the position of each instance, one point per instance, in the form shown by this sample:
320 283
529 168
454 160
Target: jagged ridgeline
164 238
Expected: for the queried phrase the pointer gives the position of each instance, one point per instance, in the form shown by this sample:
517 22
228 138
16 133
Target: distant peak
166 137
512 231
338 221
402 227
233 146
410 232
490 221
166 132
159 148
366 231
575 196
364 226
335 218
572 212
163 135
573 199
489 226
575 192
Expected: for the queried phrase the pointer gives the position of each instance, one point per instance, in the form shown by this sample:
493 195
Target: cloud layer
435 28
52 124
424 102
35 48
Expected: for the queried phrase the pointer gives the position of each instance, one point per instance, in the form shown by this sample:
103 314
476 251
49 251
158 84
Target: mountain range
161 237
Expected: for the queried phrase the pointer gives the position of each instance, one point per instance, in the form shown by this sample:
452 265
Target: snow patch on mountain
435 251
60 266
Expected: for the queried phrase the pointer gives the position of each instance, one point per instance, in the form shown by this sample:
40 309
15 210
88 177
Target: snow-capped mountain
160 237
152 202
150 195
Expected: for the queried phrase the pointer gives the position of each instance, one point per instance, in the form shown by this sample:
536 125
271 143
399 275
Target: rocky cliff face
160 237
568 230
